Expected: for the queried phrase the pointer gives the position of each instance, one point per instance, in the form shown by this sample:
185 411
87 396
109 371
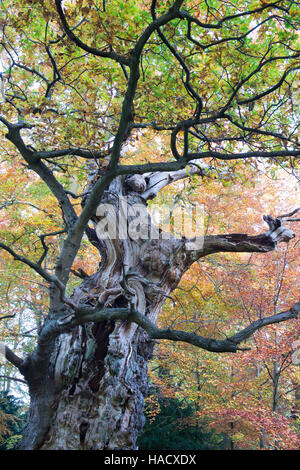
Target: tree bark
91 393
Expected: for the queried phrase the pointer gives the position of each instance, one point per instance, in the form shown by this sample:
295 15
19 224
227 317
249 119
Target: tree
82 83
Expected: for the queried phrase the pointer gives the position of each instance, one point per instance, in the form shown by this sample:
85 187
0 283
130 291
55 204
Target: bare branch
285 216
150 184
88 154
46 248
7 316
35 266
271 89
188 17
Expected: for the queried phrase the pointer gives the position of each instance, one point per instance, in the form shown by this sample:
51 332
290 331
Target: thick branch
73 240
57 190
14 136
258 324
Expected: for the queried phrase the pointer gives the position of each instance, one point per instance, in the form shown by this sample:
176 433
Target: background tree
12 421
212 86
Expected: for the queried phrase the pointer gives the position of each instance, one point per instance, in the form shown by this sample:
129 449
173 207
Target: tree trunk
91 395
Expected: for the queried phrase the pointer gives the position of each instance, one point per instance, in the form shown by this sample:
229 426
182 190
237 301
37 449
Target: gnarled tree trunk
98 371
